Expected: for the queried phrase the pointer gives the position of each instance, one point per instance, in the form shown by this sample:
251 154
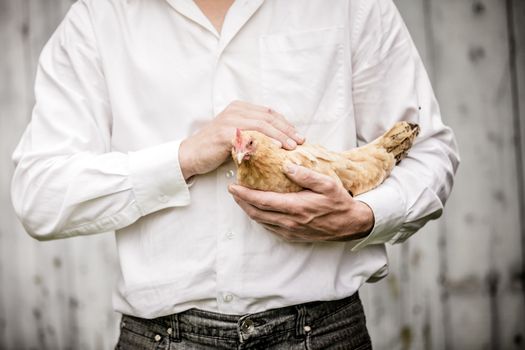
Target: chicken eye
250 143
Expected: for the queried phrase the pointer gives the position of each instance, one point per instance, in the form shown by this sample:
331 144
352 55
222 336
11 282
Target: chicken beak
240 157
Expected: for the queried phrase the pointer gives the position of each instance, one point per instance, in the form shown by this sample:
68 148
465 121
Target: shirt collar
239 13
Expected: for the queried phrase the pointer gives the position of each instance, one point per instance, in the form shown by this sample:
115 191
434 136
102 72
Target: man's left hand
324 211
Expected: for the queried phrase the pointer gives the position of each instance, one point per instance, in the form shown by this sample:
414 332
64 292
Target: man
137 103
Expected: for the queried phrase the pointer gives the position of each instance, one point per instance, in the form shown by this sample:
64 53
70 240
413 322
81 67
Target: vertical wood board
54 295
482 222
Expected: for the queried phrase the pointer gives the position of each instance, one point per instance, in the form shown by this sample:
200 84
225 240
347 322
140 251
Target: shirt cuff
157 179
389 210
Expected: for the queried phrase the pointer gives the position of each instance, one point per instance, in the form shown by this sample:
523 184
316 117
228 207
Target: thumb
308 178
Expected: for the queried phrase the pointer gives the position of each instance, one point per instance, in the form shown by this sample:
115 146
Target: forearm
361 221
84 193
201 153
415 192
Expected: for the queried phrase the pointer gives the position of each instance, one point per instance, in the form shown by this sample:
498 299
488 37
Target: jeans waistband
238 328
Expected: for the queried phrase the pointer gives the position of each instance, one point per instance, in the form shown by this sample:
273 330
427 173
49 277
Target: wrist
185 159
361 220
366 219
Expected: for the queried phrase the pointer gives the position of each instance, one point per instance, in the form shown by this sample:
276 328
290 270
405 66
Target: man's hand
324 211
210 146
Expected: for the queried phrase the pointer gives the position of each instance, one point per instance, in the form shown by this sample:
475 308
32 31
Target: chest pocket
302 75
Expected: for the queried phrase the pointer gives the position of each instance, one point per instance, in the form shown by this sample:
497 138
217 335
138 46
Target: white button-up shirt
121 83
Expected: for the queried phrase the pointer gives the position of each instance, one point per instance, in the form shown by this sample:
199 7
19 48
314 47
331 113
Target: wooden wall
53 295
457 284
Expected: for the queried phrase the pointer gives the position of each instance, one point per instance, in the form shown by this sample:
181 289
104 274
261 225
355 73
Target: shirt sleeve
391 84
67 180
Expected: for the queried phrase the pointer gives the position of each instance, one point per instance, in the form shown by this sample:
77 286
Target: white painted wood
472 81
12 120
53 295
516 15
464 46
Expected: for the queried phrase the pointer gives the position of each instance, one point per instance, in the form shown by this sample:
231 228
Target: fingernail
291 143
231 188
300 137
290 168
277 143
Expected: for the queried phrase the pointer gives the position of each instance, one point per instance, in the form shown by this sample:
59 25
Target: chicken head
243 146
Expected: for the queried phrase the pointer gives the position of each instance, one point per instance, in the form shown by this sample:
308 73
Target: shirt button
157 337
307 329
170 331
230 173
230 235
228 298
163 198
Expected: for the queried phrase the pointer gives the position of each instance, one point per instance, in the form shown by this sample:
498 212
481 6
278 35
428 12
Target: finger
266 217
245 123
278 231
243 105
273 128
283 124
258 108
280 123
265 200
297 137
285 234
270 129
310 179
272 117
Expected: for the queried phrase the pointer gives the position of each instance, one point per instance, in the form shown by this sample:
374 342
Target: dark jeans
336 324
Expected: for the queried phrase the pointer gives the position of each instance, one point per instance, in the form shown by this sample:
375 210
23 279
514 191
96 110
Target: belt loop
175 327
300 321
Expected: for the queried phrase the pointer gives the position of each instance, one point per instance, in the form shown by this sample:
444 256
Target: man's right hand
210 146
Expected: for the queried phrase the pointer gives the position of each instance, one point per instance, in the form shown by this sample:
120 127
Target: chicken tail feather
399 139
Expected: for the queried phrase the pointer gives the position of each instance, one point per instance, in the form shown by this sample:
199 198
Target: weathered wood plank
461 57
482 225
13 93
516 28
54 295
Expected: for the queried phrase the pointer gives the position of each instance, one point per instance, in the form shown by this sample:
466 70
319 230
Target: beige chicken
260 160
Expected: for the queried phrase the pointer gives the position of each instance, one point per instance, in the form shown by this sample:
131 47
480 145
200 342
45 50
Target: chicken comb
238 138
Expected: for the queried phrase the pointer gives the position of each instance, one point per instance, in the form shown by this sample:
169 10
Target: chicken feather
260 160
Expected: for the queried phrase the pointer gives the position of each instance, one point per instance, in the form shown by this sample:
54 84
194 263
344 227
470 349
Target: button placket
220 99
227 241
